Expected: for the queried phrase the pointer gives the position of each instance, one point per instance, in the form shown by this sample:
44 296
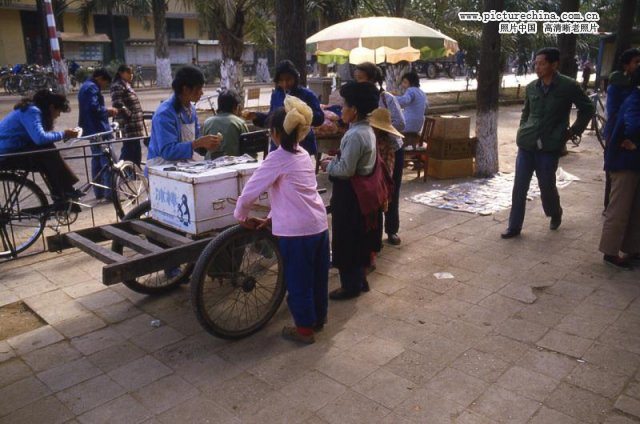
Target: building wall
72 23
11 38
137 30
191 29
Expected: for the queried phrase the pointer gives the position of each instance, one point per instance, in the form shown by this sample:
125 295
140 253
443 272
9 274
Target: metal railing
81 169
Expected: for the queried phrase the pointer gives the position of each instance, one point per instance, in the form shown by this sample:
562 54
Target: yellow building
22 29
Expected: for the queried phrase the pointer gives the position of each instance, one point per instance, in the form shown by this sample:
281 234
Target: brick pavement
535 329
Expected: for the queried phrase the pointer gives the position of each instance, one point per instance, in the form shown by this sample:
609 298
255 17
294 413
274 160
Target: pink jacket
296 207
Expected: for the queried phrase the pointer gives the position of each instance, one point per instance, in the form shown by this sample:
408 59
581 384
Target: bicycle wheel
129 188
23 214
238 282
599 123
156 282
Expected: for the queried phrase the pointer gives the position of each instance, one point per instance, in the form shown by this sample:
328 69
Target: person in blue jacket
93 119
621 228
287 81
175 131
29 126
618 90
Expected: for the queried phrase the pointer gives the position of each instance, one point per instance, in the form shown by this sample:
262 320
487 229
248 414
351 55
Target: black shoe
510 234
75 194
319 326
342 294
365 287
618 262
555 222
393 239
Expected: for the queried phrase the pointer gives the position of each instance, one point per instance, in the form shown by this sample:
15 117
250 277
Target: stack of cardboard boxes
451 151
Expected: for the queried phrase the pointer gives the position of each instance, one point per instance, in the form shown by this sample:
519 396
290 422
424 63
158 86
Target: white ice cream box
245 171
195 203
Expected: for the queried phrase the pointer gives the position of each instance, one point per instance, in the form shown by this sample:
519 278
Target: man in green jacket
543 132
228 123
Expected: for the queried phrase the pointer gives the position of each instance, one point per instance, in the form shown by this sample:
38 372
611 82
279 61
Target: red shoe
618 262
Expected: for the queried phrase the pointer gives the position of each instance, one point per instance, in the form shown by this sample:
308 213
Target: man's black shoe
555 222
394 239
510 234
74 194
341 294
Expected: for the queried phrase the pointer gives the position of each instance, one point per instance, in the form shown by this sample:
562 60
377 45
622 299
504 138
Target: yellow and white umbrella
381 39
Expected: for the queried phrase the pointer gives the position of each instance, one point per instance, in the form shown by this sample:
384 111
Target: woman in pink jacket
298 218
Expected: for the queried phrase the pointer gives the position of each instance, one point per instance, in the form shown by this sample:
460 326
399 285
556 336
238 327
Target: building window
175 28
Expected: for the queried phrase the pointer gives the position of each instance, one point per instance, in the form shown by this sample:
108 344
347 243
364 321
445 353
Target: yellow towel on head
299 117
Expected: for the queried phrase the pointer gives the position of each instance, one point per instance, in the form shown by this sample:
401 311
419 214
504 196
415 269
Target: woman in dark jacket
352 238
621 228
287 81
129 116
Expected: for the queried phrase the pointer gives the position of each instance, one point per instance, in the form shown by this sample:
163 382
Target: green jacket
546 116
230 126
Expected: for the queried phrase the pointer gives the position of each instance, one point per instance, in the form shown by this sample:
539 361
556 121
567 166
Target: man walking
542 134
93 119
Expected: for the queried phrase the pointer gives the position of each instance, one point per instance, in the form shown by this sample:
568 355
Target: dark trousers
306 274
392 216
55 171
545 164
131 151
352 280
100 172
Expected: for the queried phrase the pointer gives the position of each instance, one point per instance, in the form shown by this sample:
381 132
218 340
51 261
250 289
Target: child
299 218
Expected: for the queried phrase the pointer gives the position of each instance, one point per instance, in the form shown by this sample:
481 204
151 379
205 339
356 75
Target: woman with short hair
130 116
175 131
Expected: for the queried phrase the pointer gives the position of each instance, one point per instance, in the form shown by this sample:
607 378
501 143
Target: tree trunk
322 24
487 95
394 74
112 32
291 33
163 62
625 27
232 43
567 43
44 32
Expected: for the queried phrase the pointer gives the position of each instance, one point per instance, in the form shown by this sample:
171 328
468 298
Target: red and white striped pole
59 67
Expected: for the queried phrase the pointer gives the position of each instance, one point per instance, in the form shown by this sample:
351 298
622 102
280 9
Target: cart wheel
238 282
157 282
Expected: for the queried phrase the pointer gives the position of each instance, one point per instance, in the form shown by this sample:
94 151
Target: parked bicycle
599 120
25 210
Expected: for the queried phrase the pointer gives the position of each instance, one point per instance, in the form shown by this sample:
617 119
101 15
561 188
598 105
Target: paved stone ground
535 329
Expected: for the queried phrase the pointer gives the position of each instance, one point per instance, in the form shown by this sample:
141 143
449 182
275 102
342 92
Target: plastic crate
456 148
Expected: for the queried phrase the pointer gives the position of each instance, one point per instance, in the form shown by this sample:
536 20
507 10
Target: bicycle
25 210
137 80
599 120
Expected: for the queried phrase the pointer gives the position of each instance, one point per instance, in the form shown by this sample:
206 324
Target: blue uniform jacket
166 139
20 130
93 117
627 126
619 89
307 96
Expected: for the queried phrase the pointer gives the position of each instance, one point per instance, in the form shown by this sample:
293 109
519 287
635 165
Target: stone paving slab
535 329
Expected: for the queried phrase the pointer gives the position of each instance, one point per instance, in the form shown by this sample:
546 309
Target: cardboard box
451 127
454 148
456 168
